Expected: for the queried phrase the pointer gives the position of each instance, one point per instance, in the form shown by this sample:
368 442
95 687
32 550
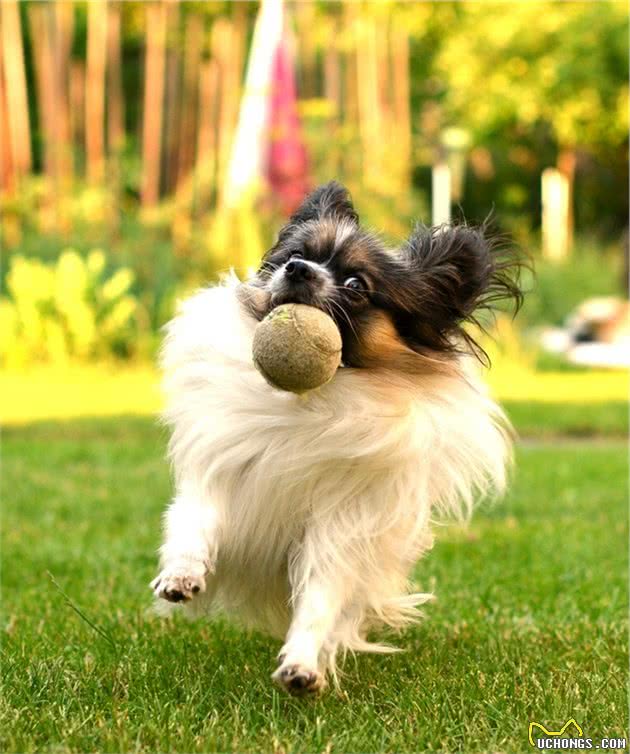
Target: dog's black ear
454 271
331 200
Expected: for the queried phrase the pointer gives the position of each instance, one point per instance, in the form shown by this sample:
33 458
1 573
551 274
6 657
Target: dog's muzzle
301 282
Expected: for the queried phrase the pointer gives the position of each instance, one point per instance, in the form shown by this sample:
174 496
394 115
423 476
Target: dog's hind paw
181 580
299 680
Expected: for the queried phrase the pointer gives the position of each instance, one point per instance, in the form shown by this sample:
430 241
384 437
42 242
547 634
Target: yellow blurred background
146 148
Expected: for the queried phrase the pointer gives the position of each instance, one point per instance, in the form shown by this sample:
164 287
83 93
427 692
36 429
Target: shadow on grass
531 419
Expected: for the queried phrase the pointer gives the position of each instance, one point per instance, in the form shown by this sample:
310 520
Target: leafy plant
557 288
70 309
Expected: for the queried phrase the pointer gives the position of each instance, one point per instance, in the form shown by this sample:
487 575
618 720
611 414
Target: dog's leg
348 632
189 551
317 607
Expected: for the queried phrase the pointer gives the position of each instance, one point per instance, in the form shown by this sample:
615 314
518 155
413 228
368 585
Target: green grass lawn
546 420
530 621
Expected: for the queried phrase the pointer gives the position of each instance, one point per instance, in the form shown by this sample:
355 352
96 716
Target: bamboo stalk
235 60
172 108
45 83
239 51
351 89
153 102
18 125
388 158
372 116
221 43
380 26
206 161
115 98
172 98
228 49
306 20
42 27
95 90
332 92
332 78
115 113
63 28
208 91
190 92
366 88
401 97
7 168
77 109
10 222
374 126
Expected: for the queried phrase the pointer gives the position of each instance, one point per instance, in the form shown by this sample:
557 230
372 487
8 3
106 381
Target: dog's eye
354 284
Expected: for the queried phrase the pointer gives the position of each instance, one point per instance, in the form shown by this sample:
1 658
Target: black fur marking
454 272
431 289
331 200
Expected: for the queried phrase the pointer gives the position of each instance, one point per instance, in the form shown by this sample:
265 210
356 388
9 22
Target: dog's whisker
328 306
346 316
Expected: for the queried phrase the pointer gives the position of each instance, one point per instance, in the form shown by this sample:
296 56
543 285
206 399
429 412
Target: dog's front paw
298 679
180 580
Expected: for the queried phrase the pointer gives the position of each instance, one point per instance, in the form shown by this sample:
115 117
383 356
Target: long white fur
306 514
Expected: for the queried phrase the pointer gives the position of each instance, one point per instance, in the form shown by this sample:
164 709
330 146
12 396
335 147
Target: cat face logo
574 731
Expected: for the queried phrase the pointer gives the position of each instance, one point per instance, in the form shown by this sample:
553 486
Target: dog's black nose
297 270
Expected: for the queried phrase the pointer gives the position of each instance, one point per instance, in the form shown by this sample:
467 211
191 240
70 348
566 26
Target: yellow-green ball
297 348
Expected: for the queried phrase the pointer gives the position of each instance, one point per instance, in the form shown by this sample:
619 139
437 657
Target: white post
555 214
246 169
441 194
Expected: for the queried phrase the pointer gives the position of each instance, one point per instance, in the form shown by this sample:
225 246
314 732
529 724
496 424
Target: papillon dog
305 515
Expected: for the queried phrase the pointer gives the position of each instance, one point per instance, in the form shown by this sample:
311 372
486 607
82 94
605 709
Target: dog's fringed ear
454 271
331 200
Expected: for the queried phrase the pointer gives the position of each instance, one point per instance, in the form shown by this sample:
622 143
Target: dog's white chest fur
344 480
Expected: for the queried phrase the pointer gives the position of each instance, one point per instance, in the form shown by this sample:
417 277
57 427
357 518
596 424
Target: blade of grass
80 612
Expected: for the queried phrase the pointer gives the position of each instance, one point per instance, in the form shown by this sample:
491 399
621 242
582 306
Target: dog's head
392 307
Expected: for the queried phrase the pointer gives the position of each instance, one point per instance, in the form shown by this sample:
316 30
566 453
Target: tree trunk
38 19
172 100
115 97
18 126
77 111
402 111
95 90
153 102
7 168
188 121
206 161
63 29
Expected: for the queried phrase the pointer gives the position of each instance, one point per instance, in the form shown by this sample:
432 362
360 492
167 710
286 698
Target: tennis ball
297 348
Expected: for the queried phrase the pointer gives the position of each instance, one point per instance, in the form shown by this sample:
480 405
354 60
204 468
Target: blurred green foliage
529 63
161 276
528 81
522 83
556 288
72 309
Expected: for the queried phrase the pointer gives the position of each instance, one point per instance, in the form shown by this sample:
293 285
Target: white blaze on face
343 231
323 284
